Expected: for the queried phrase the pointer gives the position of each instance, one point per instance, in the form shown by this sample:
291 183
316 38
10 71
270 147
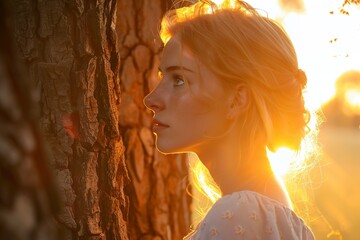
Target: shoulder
249 215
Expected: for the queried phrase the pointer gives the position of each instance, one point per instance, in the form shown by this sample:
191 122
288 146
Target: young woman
230 88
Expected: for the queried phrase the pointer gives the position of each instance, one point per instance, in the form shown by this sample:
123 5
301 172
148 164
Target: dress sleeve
247 215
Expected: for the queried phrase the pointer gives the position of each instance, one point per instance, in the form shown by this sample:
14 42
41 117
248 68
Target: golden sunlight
352 98
205 182
281 160
226 2
218 2
213 195
327 42
287 161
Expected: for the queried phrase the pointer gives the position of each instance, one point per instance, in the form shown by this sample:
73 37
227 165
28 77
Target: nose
153 101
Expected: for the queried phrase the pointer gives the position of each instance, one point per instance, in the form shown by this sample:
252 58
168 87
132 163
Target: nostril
154 108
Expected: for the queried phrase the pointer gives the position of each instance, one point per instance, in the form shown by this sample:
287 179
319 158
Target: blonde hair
240 46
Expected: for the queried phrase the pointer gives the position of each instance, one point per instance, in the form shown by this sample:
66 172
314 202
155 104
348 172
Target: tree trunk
159 206
92 62
70 52
28 198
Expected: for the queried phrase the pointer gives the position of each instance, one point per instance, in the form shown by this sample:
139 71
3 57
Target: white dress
249 215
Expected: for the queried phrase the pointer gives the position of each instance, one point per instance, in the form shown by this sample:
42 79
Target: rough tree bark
28 197
70 52
159 206
92 62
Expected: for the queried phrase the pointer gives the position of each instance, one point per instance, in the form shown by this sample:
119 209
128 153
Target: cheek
194 106
199 119
191 117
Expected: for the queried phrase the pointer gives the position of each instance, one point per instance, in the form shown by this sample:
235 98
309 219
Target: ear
239 101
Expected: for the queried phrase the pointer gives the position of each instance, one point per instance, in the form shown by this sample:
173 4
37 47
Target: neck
235 169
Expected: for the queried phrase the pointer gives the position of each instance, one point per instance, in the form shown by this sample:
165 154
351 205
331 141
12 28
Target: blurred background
326 35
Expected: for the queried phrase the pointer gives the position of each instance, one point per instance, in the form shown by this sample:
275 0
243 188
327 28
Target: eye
178 80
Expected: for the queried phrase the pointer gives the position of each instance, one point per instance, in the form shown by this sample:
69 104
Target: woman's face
189 103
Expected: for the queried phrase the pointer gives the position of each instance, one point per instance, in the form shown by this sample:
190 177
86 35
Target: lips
158 126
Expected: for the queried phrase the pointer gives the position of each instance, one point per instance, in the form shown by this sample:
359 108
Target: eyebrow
174 68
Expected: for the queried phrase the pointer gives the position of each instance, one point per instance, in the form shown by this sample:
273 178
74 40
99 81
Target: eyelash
176 79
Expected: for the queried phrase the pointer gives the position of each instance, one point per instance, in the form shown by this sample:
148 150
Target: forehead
176 54
203 80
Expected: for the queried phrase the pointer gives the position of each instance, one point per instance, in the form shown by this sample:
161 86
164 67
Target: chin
166 149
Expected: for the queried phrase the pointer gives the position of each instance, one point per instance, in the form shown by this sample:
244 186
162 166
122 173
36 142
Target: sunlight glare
268 8
217 2
281 160
214 196
205 183
327 44
353 100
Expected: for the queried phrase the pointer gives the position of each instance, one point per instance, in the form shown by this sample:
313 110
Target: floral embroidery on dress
214 232
253 216
241 199
227 215
239 230
269 206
